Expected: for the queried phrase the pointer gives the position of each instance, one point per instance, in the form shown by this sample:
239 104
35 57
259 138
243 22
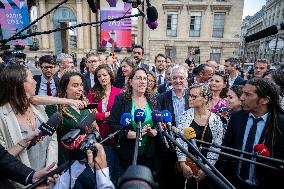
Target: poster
117 33
14 16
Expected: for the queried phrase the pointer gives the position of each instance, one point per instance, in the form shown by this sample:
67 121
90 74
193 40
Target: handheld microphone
261 149
167 118
157 118
47 129
125 121
190 134
139 118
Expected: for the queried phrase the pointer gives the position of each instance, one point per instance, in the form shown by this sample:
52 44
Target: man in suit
46 85
231 65
65 62
260 122
176 101
160 69
93 61
260 67
11 168
168 83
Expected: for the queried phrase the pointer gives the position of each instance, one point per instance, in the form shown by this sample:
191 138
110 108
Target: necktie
48 87
244 172
160 80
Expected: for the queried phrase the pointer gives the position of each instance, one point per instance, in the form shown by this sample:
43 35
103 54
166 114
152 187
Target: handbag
194 168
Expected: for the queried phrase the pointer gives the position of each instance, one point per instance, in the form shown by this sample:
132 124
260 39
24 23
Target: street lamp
112 35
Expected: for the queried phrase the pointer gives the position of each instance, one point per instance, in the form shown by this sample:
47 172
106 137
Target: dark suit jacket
120 79
37 78
234 139
144 66
56 78
87 84
122 105
166 103
162 88
11 168
239 81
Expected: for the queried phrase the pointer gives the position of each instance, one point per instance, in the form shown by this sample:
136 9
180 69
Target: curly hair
238 90
150 96
268 89
98 91
12 91
223 93
205 90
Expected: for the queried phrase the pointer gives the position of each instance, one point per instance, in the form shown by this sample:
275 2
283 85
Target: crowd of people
221 105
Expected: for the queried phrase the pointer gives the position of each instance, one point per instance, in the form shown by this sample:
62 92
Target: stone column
87 30
44 42
94 33
80 34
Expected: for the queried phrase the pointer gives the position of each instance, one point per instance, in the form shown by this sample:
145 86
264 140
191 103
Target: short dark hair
264 61
160 55
233 61
20 55
138 47
46 59
197 70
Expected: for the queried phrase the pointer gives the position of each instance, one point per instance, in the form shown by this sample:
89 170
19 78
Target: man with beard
46 85
138 53
160 69
93 61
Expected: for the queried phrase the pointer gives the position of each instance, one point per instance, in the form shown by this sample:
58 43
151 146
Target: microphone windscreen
92 5
167 116
261 149
139 115
189 133
54 119
152 14
157 116
125 119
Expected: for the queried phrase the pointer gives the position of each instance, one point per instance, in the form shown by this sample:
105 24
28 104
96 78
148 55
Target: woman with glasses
207 126
103 93
136 96
219 86
152 83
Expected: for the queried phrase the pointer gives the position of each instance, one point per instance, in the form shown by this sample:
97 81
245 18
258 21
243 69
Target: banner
14 16
117 33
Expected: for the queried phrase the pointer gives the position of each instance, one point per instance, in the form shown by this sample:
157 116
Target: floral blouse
221 109
215 125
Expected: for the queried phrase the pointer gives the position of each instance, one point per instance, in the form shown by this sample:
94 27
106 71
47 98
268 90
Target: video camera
78 141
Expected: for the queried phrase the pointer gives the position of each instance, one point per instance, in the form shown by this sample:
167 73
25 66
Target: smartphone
91 106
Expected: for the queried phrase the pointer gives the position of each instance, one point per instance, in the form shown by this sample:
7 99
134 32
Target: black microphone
152 13
47 129
93 4
157 118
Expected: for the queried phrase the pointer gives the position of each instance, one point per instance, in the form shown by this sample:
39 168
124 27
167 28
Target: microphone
152 13
47 128
139 118
93 4
125 121
190 134
157 118
167 118
261 149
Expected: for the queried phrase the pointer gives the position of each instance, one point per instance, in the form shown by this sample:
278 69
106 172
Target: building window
221 0
171 52
215 54
195 22
218 26
172 20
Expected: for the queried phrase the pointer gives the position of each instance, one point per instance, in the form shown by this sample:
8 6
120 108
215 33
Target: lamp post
112 35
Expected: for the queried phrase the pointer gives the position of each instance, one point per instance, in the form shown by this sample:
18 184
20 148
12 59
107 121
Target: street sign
273 46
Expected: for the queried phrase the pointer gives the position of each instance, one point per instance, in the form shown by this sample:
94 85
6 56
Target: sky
252 6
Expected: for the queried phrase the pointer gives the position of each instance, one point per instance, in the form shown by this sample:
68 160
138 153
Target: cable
5 41
72 27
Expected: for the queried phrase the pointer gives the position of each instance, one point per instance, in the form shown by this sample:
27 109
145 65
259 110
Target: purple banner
13 17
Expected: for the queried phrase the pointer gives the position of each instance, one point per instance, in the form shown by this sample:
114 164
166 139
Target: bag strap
205 127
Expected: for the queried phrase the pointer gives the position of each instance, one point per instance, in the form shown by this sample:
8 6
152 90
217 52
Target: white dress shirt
43 87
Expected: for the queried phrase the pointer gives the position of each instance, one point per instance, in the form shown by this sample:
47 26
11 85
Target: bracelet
22 145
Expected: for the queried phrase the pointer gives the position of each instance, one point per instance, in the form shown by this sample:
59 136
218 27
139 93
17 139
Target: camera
78 143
